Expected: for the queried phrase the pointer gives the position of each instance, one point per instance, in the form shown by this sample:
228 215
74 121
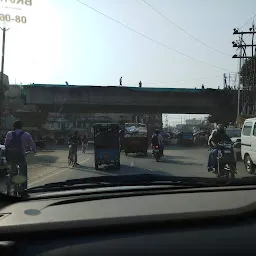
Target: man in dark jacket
73 143
218 136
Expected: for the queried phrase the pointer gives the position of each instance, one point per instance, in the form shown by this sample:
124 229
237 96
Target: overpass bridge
82 99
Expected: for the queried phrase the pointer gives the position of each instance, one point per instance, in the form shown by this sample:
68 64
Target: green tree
248 72
225 111
33 119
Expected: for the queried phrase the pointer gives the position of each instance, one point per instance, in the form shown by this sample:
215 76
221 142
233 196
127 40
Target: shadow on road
124 170
46 150
44 159
173 160
168 158
180 157
170 161
88 153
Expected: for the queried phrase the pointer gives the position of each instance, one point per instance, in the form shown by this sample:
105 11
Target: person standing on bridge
121 81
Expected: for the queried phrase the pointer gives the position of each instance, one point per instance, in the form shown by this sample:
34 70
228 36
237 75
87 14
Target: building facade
61 124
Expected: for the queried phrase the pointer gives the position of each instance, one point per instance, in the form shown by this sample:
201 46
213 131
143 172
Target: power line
195 38
248 21
151 39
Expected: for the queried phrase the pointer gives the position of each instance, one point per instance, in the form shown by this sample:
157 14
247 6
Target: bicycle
71 159
15 181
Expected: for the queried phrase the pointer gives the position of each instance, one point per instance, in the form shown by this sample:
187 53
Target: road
50 165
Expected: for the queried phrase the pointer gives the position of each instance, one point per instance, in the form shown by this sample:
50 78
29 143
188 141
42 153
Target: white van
248 144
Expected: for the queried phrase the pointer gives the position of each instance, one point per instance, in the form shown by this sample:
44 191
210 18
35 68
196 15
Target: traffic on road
128 151
51 164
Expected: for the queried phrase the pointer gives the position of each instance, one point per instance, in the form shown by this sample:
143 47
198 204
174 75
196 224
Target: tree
248 72
248 80
33 119
225 111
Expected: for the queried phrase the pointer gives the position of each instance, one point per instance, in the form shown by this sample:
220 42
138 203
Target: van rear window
247 129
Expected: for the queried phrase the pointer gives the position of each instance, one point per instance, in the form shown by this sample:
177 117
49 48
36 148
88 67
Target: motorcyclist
16 142
74 142
217 136
157 140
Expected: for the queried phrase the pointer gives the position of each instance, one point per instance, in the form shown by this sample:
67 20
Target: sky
65 40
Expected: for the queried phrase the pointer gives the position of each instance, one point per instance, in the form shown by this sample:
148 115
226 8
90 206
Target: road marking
68 168
55 173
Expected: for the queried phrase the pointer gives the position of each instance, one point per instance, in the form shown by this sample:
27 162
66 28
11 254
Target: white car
248 142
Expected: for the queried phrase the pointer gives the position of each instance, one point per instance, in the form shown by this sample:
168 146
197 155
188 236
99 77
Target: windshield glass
92 88
234 133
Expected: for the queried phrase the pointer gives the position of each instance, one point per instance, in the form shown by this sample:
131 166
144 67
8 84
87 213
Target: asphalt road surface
51 165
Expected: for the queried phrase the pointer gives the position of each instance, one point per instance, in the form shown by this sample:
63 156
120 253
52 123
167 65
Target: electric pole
2 86
246 74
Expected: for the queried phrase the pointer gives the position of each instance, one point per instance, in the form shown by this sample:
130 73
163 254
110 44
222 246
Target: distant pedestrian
84 142
121 81
140 84
66 83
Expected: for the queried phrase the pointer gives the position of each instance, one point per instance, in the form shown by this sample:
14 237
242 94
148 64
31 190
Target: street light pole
3 51
239 80
2 74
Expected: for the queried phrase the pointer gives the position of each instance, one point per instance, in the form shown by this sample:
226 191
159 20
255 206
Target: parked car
248 144
40 143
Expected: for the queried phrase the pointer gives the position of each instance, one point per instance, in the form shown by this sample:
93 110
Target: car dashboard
179 223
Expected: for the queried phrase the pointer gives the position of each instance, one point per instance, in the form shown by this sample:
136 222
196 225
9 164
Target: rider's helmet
157 131
220 128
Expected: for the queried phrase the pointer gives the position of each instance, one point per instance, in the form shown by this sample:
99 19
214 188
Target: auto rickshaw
106 145
135 138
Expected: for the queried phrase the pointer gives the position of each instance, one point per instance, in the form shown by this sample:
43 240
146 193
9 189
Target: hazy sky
64 40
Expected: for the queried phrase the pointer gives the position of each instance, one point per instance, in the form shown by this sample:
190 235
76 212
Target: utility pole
2 86
248 89
239 80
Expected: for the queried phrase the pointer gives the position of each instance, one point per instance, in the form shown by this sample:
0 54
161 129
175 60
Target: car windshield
234 133
106 88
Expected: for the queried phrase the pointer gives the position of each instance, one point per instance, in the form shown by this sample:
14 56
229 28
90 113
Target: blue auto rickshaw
106 145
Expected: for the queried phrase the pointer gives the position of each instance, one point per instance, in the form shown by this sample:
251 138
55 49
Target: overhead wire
189 34
248 21
151 39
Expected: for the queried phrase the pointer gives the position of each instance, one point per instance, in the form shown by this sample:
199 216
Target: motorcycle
156 153
225 161
3 162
